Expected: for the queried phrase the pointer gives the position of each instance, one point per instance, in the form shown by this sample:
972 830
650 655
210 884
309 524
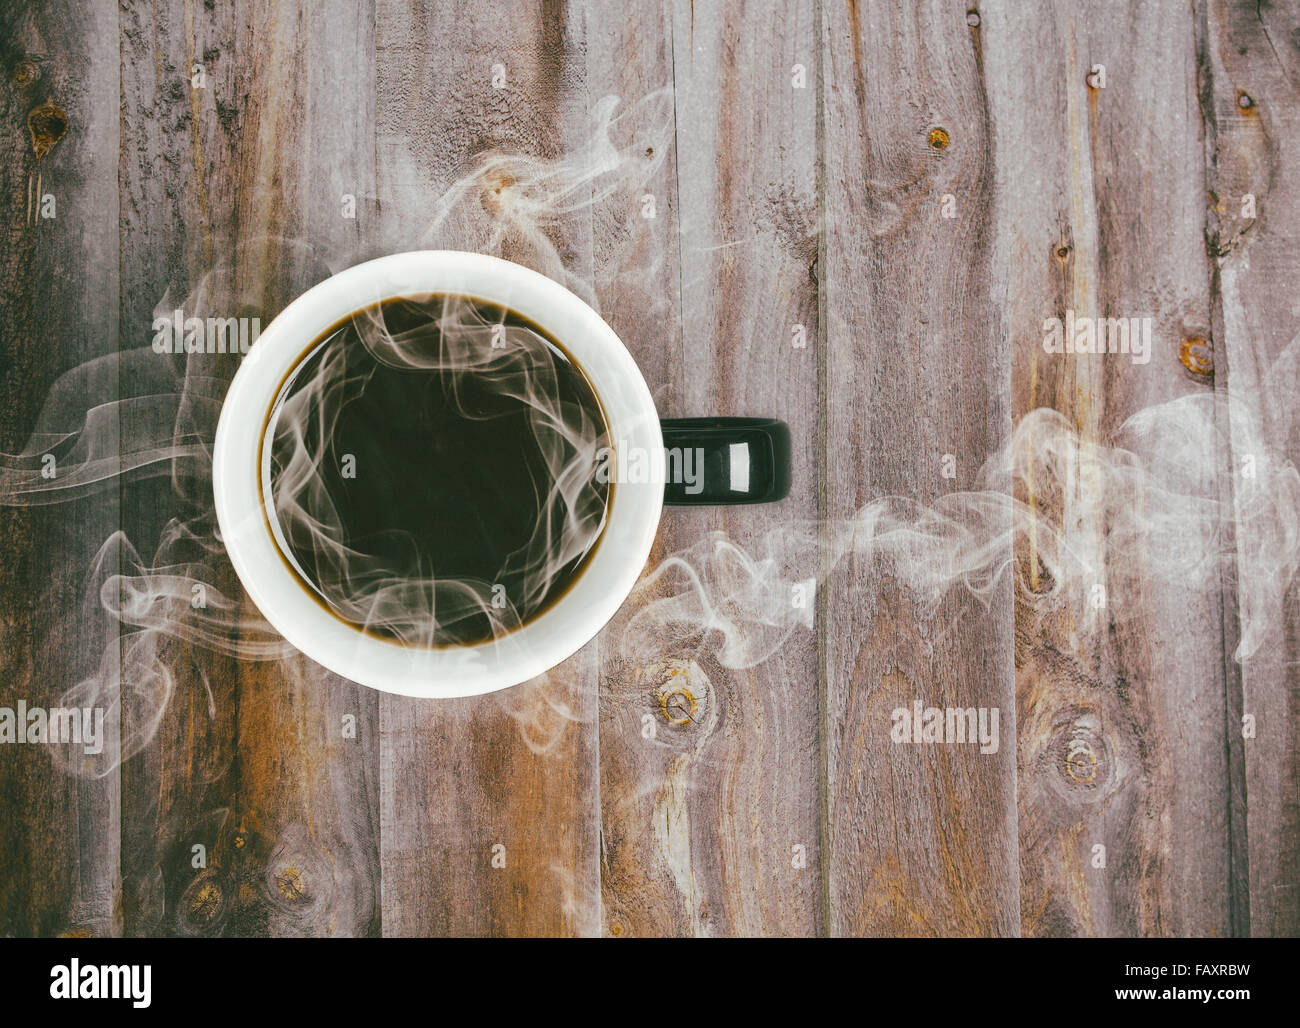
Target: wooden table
853 216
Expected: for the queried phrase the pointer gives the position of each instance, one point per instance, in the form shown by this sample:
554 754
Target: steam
141 415
1167 522
1166 527
487 369
513 203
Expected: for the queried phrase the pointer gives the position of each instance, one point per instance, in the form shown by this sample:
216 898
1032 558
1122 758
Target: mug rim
238 467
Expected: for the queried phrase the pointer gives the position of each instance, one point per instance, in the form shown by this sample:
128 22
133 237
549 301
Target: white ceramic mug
249 526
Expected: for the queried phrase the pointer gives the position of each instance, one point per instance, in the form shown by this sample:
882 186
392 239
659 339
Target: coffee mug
743 460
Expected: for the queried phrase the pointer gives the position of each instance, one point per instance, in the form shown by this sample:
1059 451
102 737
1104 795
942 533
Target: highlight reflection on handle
713 461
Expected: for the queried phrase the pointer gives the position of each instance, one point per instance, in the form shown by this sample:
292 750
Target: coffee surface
433 470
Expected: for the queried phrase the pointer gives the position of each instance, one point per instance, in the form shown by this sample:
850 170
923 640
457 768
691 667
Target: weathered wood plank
1250 66
245 127
637 276
920 839
515 769
1119 651
711 825
972 185
177 787
58 333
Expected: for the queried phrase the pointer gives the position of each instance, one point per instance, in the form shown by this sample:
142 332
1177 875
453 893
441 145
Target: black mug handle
710 461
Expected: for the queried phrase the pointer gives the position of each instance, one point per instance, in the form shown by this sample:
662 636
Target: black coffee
434 470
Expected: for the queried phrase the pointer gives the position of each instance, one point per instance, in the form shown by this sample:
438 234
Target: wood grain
1250 83
178 789
58 314
920 839
637 285
711 826
1102 184
946 178
235 190
488 804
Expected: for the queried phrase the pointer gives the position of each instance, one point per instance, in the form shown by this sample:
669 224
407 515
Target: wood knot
203 902
26 73
295 879
1245 101
290 884
973 18
47 125
1197 356
494 194
681 692
939 139
1080 760
1083 767
678 705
